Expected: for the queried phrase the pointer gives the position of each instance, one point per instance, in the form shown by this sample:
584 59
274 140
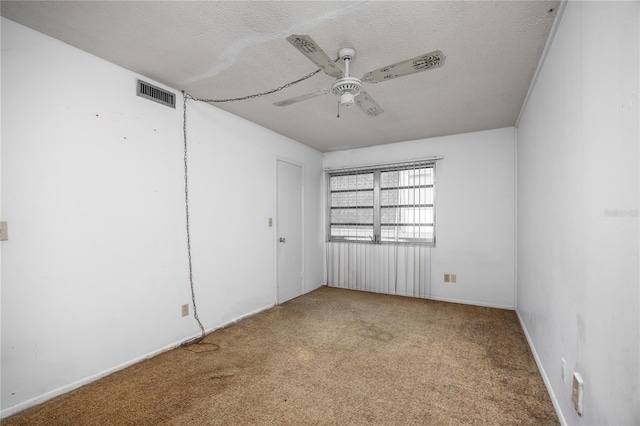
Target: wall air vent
154 93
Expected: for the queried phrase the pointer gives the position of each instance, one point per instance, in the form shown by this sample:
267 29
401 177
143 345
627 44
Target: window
388 204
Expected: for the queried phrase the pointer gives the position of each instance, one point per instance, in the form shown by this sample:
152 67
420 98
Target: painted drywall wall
95 271
577 262
474 206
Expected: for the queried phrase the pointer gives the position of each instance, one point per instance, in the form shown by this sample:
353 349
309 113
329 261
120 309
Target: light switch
577 391
4 231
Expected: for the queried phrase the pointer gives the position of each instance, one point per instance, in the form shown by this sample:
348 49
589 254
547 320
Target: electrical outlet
563 370
185 310
447 278
577 391
270 222
453 278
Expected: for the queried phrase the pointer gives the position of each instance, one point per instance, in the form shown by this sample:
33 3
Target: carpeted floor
329 357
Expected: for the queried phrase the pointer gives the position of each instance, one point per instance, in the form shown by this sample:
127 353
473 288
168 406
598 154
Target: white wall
577 144
474 206
95 271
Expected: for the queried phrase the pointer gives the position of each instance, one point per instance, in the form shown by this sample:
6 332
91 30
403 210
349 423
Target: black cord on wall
185 97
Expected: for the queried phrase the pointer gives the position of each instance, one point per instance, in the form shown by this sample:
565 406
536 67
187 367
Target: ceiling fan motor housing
350 85
347 87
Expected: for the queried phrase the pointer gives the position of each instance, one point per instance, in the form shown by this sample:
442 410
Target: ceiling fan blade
368 105
424 62
302 97
311 50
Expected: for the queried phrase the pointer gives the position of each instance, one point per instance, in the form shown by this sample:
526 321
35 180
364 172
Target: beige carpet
330 357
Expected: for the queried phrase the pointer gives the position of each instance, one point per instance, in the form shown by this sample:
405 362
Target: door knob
282 240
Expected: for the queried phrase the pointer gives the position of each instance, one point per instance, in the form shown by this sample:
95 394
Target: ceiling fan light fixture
347 100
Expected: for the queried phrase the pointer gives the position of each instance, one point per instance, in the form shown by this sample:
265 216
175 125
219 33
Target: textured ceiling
215 49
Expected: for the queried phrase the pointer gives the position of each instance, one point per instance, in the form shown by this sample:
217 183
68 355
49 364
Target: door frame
276 227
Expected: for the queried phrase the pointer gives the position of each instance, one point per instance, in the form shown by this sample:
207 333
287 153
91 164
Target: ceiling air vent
154 93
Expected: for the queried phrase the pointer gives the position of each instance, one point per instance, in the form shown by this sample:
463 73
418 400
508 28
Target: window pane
364 233
389 179
409 196
412 215
358 216
408 177
351 182
352 199
406 233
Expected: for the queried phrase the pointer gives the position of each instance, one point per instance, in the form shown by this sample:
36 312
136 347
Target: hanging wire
185 97
257 95
186 204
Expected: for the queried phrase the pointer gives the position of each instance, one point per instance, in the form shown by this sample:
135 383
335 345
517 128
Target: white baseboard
472 302
440 299
240 318
545 378
75 385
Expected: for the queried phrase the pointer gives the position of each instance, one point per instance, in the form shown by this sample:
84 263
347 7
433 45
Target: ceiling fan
350 88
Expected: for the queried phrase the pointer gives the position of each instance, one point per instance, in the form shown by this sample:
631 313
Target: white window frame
376 238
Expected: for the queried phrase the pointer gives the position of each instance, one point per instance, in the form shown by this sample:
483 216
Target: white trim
545 378
438 299
471 302
304 233
274 234
543 57
92 378
302 189
325 230
515 218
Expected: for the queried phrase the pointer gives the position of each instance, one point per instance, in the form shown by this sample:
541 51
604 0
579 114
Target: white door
289 226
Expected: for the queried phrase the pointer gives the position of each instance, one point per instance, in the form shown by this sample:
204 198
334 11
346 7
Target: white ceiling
216 49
